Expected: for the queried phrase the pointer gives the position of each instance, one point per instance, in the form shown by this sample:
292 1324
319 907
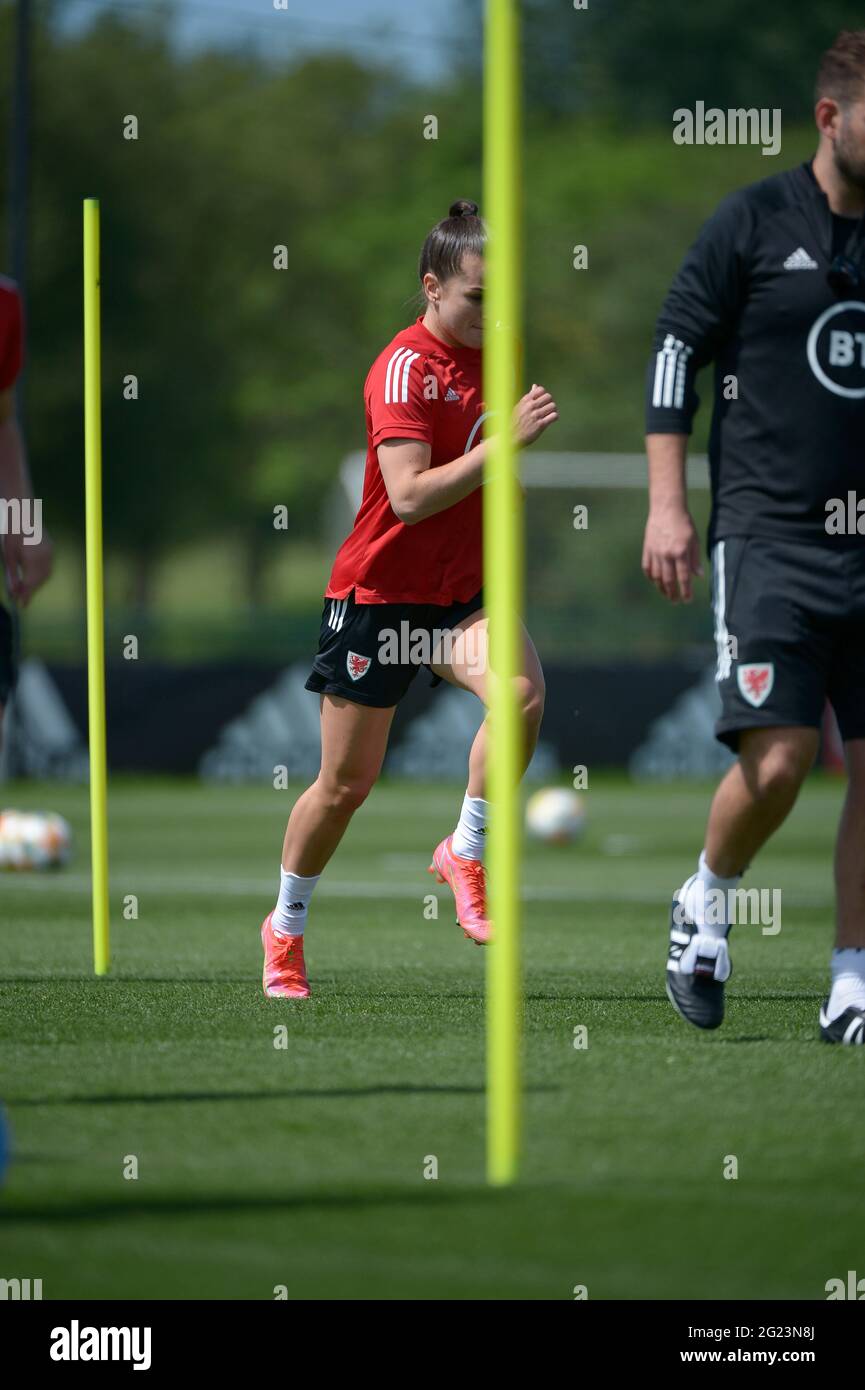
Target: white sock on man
848 981
710 914
289 915
469 836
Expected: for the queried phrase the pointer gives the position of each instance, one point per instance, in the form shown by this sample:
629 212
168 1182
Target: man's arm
698 314
671 546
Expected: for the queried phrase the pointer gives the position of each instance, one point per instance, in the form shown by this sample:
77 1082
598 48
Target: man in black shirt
773 293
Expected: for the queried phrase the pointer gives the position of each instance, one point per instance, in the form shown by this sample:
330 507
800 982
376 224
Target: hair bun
463 208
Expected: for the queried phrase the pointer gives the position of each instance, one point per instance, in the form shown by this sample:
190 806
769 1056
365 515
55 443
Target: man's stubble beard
850 163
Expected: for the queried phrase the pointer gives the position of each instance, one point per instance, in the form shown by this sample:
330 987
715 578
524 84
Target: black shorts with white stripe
790 634
371 652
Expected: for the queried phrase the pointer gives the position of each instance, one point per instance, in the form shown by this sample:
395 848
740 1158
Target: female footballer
414 556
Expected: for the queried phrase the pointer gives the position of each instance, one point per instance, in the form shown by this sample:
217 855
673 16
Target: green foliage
637 60
250 377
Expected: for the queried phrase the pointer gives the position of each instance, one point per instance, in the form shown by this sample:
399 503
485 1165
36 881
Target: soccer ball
33 840
555 815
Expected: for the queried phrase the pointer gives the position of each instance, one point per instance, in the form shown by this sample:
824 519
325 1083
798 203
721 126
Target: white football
33 840
555 815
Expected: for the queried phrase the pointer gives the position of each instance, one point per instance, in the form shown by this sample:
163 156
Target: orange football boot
468 883
284 974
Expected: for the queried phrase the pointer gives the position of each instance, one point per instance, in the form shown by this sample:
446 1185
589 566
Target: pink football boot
468 884
284 974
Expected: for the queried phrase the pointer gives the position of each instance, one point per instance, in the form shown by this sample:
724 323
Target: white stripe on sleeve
406 367
393 366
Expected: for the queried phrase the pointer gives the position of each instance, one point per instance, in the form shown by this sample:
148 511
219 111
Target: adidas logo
295 907
800 260
452 395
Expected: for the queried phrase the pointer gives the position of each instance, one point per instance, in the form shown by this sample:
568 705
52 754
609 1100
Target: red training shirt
417 388
11 333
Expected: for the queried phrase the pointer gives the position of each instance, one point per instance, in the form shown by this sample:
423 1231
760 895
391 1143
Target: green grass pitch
303 1166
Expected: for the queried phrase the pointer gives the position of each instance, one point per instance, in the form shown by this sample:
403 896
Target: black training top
752 296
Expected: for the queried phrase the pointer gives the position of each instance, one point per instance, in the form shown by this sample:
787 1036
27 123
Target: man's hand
27 566
671 553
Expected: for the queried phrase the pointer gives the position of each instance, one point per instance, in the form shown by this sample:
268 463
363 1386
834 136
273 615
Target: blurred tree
251 377
637 60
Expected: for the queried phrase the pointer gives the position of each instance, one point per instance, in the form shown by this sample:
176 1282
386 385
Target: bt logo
836 349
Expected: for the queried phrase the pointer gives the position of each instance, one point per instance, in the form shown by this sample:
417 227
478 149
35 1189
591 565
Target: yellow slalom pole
503 579
95 595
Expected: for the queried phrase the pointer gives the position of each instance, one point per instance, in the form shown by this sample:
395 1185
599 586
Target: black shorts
7 655
371 652
790 634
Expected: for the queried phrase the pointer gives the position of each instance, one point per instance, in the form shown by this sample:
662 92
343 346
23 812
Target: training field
303 1166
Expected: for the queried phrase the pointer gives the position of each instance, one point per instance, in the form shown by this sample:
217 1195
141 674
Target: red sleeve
11 335
396 397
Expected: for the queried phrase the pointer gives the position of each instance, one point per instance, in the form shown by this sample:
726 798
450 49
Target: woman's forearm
435 489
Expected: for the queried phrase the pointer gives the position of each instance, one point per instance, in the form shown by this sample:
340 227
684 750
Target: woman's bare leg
353 744
458 860
467 666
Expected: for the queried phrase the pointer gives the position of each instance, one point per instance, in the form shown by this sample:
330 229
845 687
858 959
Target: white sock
469 836
848 981
698 906
289 915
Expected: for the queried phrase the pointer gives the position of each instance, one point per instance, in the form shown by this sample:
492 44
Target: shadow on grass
325 988
764 996
189 1097
566 994
755 1038
107 982
122 1209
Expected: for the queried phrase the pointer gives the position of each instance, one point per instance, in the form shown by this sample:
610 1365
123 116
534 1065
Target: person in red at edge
405 590
27 563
